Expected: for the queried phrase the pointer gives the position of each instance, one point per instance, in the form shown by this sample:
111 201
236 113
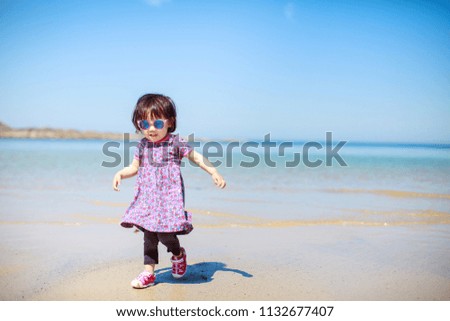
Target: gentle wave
228 220
363 218
268 224
57 223
391 193
109 204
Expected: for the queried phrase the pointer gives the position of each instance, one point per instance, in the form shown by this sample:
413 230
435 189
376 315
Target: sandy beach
327 262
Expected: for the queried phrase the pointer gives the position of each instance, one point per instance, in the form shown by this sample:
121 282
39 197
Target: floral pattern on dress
158 204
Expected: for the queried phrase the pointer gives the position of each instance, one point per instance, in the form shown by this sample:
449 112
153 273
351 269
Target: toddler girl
158 206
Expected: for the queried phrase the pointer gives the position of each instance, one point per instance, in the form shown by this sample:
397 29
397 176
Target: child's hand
116 182
218 180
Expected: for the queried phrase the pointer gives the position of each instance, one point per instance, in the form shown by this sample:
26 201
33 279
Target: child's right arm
127 172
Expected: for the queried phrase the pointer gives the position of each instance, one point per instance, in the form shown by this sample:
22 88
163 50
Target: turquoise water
64 181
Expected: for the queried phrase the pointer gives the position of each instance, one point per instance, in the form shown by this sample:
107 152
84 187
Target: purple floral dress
158 204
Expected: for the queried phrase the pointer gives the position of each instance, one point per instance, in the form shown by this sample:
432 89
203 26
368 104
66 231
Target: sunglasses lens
159 124
144 124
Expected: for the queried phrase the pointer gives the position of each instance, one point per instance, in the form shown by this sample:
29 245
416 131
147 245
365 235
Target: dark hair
155 105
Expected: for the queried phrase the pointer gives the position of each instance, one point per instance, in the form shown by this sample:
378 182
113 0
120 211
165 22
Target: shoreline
52 133
7 132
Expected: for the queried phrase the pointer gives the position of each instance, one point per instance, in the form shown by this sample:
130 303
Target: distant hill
9 132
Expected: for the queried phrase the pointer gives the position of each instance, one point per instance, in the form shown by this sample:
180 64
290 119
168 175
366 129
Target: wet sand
95 259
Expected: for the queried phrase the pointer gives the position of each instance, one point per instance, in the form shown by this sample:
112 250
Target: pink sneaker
179 266
144 280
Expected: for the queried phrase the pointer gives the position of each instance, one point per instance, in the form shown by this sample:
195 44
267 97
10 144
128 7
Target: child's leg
150 268
170 240
150 251
147 278
179 263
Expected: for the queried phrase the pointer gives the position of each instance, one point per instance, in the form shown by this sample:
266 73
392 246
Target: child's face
151 128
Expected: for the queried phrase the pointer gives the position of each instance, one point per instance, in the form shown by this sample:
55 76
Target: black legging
151 240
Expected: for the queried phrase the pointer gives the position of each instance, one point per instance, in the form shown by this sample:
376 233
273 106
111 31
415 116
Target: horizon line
5 128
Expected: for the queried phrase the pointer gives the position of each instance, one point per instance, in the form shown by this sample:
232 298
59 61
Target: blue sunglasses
158 123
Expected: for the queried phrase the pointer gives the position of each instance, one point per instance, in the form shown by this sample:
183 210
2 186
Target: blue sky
365 70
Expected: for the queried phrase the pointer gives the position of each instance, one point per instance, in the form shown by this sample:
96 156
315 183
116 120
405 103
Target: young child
158 205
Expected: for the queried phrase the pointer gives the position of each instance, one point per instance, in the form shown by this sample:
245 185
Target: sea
365 184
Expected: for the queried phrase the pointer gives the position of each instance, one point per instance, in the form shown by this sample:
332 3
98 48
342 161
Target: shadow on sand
197 273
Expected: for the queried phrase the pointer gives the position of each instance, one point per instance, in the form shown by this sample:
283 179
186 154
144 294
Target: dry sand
93 258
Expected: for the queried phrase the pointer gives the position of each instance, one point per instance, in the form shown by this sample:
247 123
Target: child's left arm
206 165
